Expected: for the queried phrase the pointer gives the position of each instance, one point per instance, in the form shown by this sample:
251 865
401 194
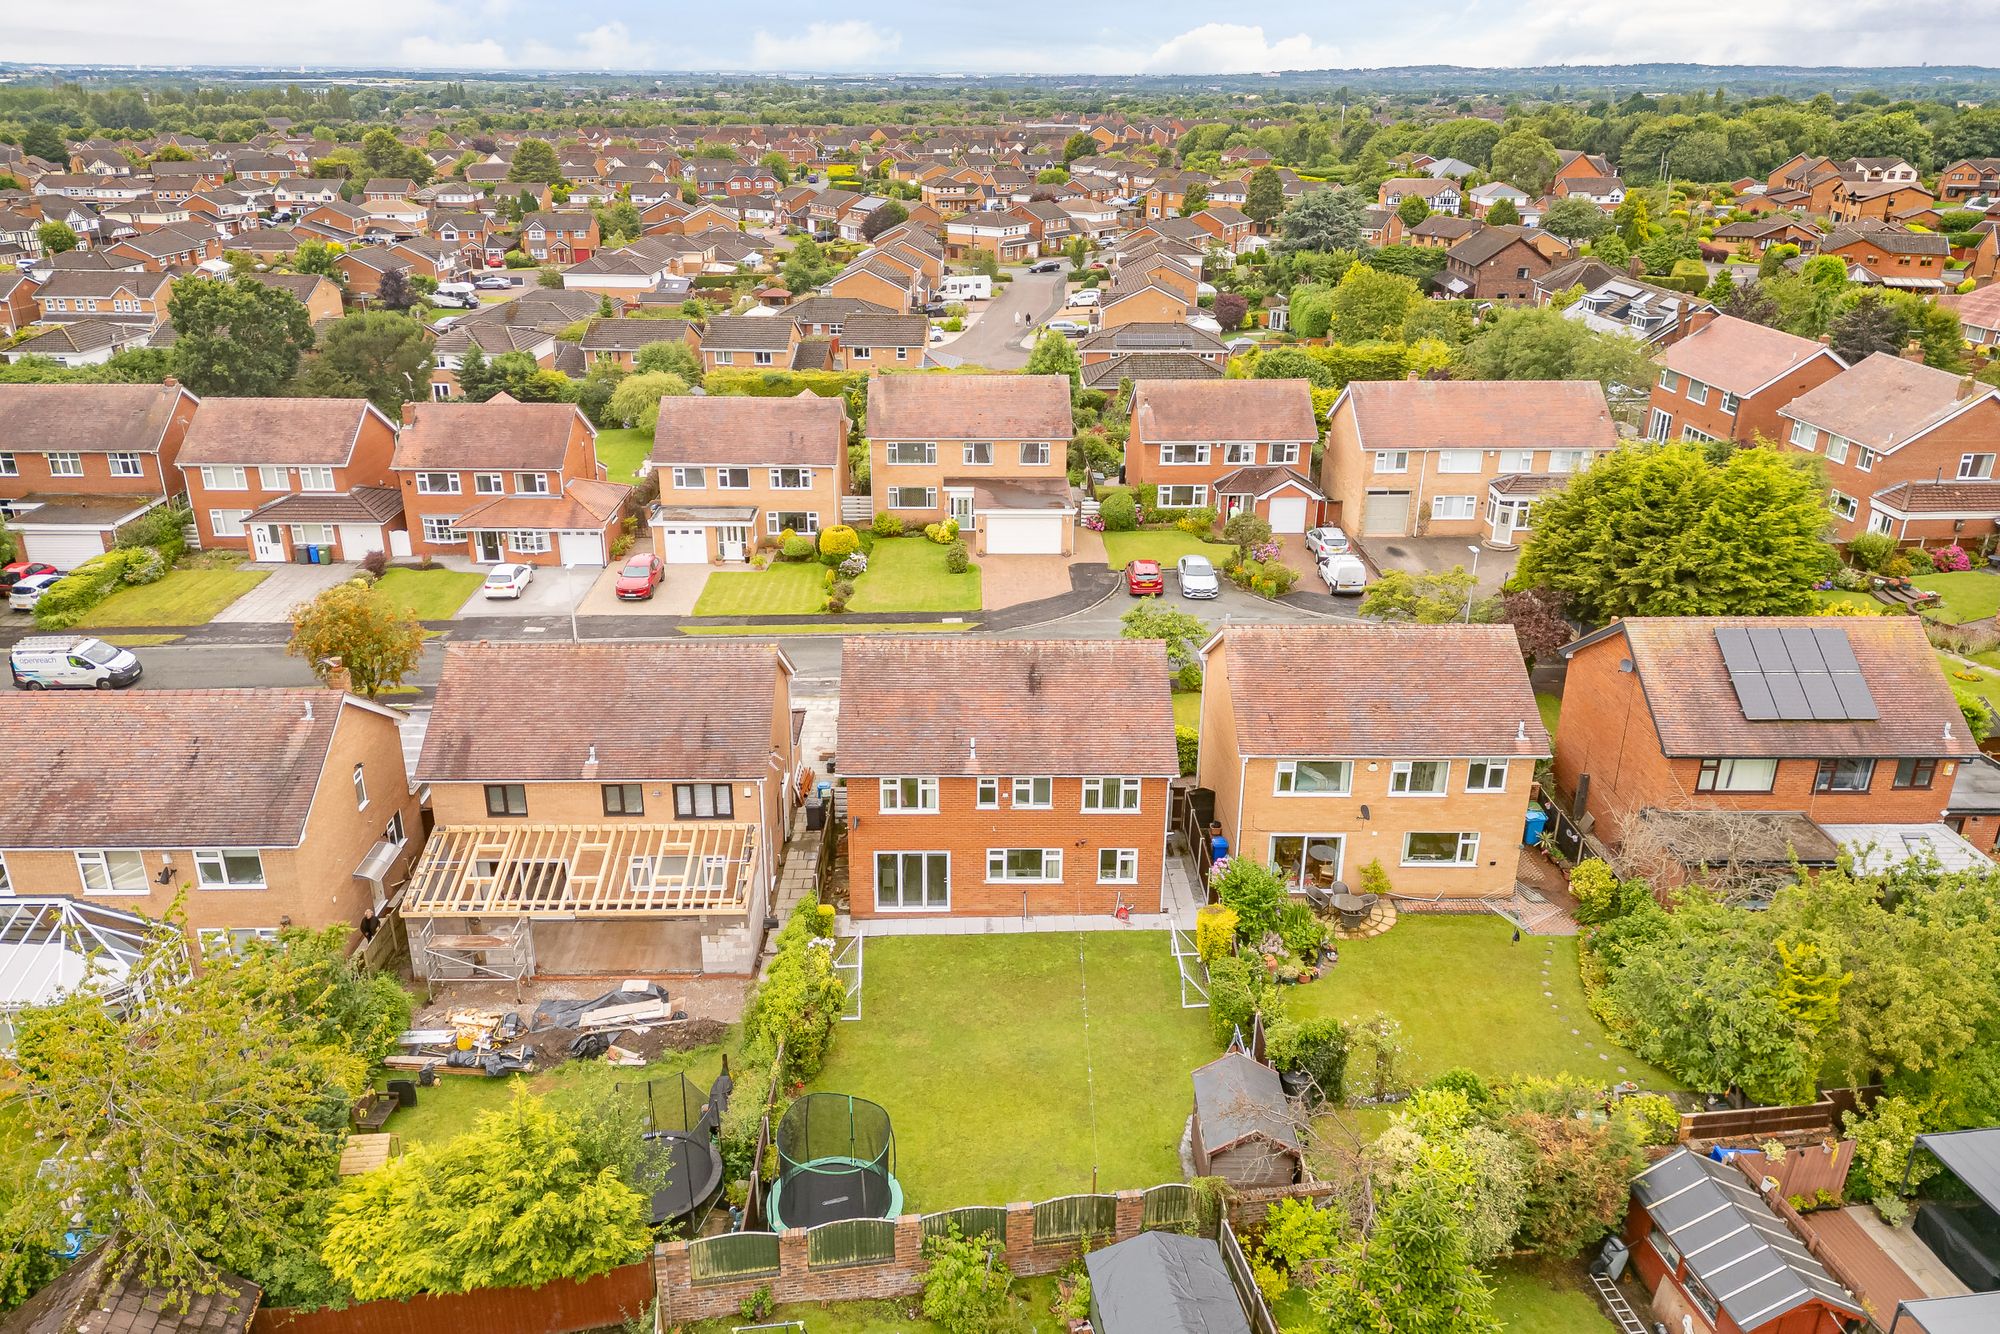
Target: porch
1282 496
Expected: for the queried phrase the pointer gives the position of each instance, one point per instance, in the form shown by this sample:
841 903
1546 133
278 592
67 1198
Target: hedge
71 597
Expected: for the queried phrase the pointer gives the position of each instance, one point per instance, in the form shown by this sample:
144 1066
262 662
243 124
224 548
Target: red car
22 569
1143 579
641 575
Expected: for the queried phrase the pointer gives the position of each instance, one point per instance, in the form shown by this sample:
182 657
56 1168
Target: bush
1466 1083
1300 930
965 1282
839 541
1871 551
1255 892
71 597
1231 1002
941 533
1314 1047
1951 559
1196 521
957 560
145 566
1920 560
1654 1118
163 527
1120 512
796 546
886 525
1247 529
518 259
1296 1233
375 563
1214 932
838 596
799 1002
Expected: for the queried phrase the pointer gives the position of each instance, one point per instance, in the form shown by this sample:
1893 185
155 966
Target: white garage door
684 546
580 548
1288 514
1386 514
65 551
1024 534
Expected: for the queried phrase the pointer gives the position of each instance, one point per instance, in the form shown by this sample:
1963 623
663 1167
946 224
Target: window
1392 460
724 358
1844 775
315 479
1915 773
799 521
1660 425
1314 778
360 789
66 464
1668 1251
1702 1297
913 880
1486 776
528 541
624 799
1118 866
1419 778
1879 523
988 794
1975 467
1034 794
791 479
912 498
1517 460
1184 497
1184 452
1837 447
1568 460
764 358
108 872
395 833
1110 794
1864 458
690 479
1669 381
1736 775
910 451
1454 507
126 465
227 523
1697 392
1844 505
438 530
506 799
488 484
437 483
1285 451
224 941
9 467
229 868
910 795
1804 436
978 452
1238 452
704 801
1458 460
1034 453
1034 866
312 534
732 479
861 353
1446 849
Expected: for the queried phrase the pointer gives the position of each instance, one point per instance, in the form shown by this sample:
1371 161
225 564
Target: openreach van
67 662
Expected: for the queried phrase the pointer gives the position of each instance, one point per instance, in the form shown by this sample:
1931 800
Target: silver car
1197 577
1324 542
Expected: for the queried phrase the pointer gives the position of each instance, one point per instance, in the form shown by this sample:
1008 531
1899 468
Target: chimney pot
1914 351
1826 340
169 382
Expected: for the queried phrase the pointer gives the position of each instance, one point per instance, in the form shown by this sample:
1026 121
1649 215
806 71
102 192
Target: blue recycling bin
1538 820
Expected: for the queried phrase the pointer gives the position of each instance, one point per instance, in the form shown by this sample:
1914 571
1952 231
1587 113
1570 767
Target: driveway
994 339
1421 555
288 586
675 595
1008 581
554 591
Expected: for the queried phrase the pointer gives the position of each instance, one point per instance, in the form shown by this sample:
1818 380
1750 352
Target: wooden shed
1243 1129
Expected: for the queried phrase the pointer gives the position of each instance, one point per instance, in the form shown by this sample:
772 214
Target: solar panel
1795 673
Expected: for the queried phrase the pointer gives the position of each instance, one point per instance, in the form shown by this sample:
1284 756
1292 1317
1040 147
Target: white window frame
128 463
316 478
438 530
890 796
1468 847
1051 868
9 465
1285 452
360 787
1099 795
1454 507
1239 453
1403 772
690 479
528 541
1124 866
1517 460
1879 522
100 859
228 523
424 487
223 478
895 495
986 794
1284 781
1392 460
489 484
1837 447
211 866
802 479
1975 467
732 479
1841 503
1460 460
1169 449
926 448
1697 391
1034 453
977 453
1805 436
1569 460
1021 792
1481 775
1196 497
273 477
926 854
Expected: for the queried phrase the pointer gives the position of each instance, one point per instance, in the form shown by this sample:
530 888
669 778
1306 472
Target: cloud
849 44
1237 48
431 51
607 46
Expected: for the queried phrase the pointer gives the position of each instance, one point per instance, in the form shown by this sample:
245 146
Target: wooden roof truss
553 871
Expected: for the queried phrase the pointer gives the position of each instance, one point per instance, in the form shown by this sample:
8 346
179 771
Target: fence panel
1167 1206
851 1241
732 1256
1074 1216
554 1308
1238 1265
972 1220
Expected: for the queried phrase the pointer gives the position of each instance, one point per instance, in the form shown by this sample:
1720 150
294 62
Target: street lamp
1473 591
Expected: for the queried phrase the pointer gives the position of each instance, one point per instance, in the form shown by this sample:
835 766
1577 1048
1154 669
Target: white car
1343 574
1322 542
24 595
507 581
1068 328
1196 575
1089 296
937 334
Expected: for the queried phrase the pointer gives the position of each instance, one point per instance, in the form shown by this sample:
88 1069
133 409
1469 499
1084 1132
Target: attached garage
1020 516
1386 514
1025 534
580 548
64 550
1283 495
1288 514
681 545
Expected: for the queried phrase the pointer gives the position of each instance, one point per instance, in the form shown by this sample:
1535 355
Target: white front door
266 542
735 541
960 505
684 546
1288 514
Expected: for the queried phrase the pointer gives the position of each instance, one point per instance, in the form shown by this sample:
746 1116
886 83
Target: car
641 575
493 282
1046 266
1323 542
1343 574
69 662
1196 576
937 334
507 581
1068 328
26 593
1236 347
1089 296
1143 579
16 571
934 309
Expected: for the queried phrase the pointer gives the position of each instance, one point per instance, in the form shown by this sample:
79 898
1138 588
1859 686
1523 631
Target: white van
461 296
66 662
966 287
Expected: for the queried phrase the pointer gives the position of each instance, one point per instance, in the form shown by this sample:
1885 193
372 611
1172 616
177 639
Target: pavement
288 586
994 339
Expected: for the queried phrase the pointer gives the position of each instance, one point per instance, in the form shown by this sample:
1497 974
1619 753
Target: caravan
461 296
966 287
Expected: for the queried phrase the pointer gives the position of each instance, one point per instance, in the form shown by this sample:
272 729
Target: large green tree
236 338
380 355
1054 354
1323 220
1369 304
56 237
535 160
1575 220
354 627
1264 196
1665 530
1539 343
1526 159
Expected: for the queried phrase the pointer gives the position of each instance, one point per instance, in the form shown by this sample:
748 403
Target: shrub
1214 932
1595 887
1951 559
758 1305
1300 930
839 541
942 533
796 546
1196 521
1654 1118
887 525
952 324
1466 1083
1188 678
1247 529
838 596
1296 1234
375 564
799 1001
965 1282
1871 551
71 597
1230 999
1255 892
1315 1047
1883 1166
1375 880
163 527
956 559
1920 560
145 566
1120 512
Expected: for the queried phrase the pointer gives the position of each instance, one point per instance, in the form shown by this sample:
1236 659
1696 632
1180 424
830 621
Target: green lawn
1165 545
1001 1085
1969 595
908 574
622 452
1029 1300
429 595
785 589
184 597
1551 710
1529 1298
1467 995
1987 687
1859 603
1187 708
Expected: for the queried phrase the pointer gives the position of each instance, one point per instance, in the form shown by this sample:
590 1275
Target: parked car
1196 576
937 334
14 572
1143 579
1046 266
1068 328
935 310
1089 296
493 282
507 581
27 592
641 575
1323 542
1343 574
68 662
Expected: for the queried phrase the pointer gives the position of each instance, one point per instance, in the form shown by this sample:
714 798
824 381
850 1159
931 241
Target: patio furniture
1318 897
1352 909
372 1111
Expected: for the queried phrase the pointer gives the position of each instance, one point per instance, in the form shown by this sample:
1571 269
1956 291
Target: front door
1503 523
960 503
266 542
489 547
735 541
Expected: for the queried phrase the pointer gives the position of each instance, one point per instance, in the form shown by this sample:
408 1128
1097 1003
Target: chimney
1914 352
337 677
1826 340
169 382
1967 387
409 413
1634 267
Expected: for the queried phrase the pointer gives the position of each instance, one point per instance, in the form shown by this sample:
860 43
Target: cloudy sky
1165 36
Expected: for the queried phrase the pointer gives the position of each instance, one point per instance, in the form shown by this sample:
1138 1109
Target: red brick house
1228 445
559 238
1968 177
1728 379
1003 795
1500 264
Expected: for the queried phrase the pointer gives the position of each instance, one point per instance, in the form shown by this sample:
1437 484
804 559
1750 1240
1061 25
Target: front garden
434 594
1136 527
847 570
184 596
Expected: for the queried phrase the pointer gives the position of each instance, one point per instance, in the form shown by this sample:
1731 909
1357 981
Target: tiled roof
806 431
1150 336
747 333
885 331
1383 691
1737 356
76 337
499 433
102 284
191 768
1884 401
584 503
1893 240
1262 478
275 430
1941 497
532 712
1224 410
616 335
1489 414
362 504
969 407
125 418
1142 366
957 707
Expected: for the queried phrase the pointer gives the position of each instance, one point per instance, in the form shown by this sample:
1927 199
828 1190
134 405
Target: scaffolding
441 950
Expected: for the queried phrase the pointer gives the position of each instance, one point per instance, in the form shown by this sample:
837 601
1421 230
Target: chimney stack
337 676
1967 387
409 413
1914 351
1826 340
169 382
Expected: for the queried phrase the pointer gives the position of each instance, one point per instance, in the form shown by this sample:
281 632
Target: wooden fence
1806 1170
1822 1117
562 1307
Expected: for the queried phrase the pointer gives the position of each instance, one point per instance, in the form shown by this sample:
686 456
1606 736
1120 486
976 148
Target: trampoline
680 1167
836 1159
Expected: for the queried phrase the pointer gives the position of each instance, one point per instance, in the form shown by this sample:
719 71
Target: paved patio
273 599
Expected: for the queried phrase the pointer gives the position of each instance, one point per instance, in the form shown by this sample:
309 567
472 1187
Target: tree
1265 196
394 292
1503 213
1633 221
1292 363
1194 199
806 267
1413 210
1444 1119
1579 1179
777 164
1871 326
1054 354
1076 146
1538 620
884 216
1322 220
1311 311
1431 598
1663 530
476 381
520 1200
45 141
535 160
354 627
1229 310
237 338
56 237
383 155
385 357
1369 304
673 356
1539 343
1574 220
1527 160
636 400
318 257
1182 632
619 219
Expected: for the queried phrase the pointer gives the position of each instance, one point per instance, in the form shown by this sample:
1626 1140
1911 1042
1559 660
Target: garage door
1024 534
580 548
1386 514
684 546
1288 514
65 551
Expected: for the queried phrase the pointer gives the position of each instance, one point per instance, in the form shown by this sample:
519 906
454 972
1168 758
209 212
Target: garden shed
97 1294
1243 1127
1163 1283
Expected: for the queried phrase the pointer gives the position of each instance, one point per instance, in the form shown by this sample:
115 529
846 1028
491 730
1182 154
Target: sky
925 36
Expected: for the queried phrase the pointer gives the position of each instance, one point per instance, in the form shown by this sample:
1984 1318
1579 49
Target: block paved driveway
288 586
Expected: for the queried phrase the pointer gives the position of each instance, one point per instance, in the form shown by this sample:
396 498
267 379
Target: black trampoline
680 1167
836 1159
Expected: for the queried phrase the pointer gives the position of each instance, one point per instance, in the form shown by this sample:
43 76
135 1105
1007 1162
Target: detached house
1037 783
133 297
1500 264
1728 379
736 472
309 821
1411 746
602 810
875 343
619 341
748 342
1261 463
272 476
559 238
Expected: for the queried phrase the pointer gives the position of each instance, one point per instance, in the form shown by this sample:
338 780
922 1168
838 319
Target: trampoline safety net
836 1159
